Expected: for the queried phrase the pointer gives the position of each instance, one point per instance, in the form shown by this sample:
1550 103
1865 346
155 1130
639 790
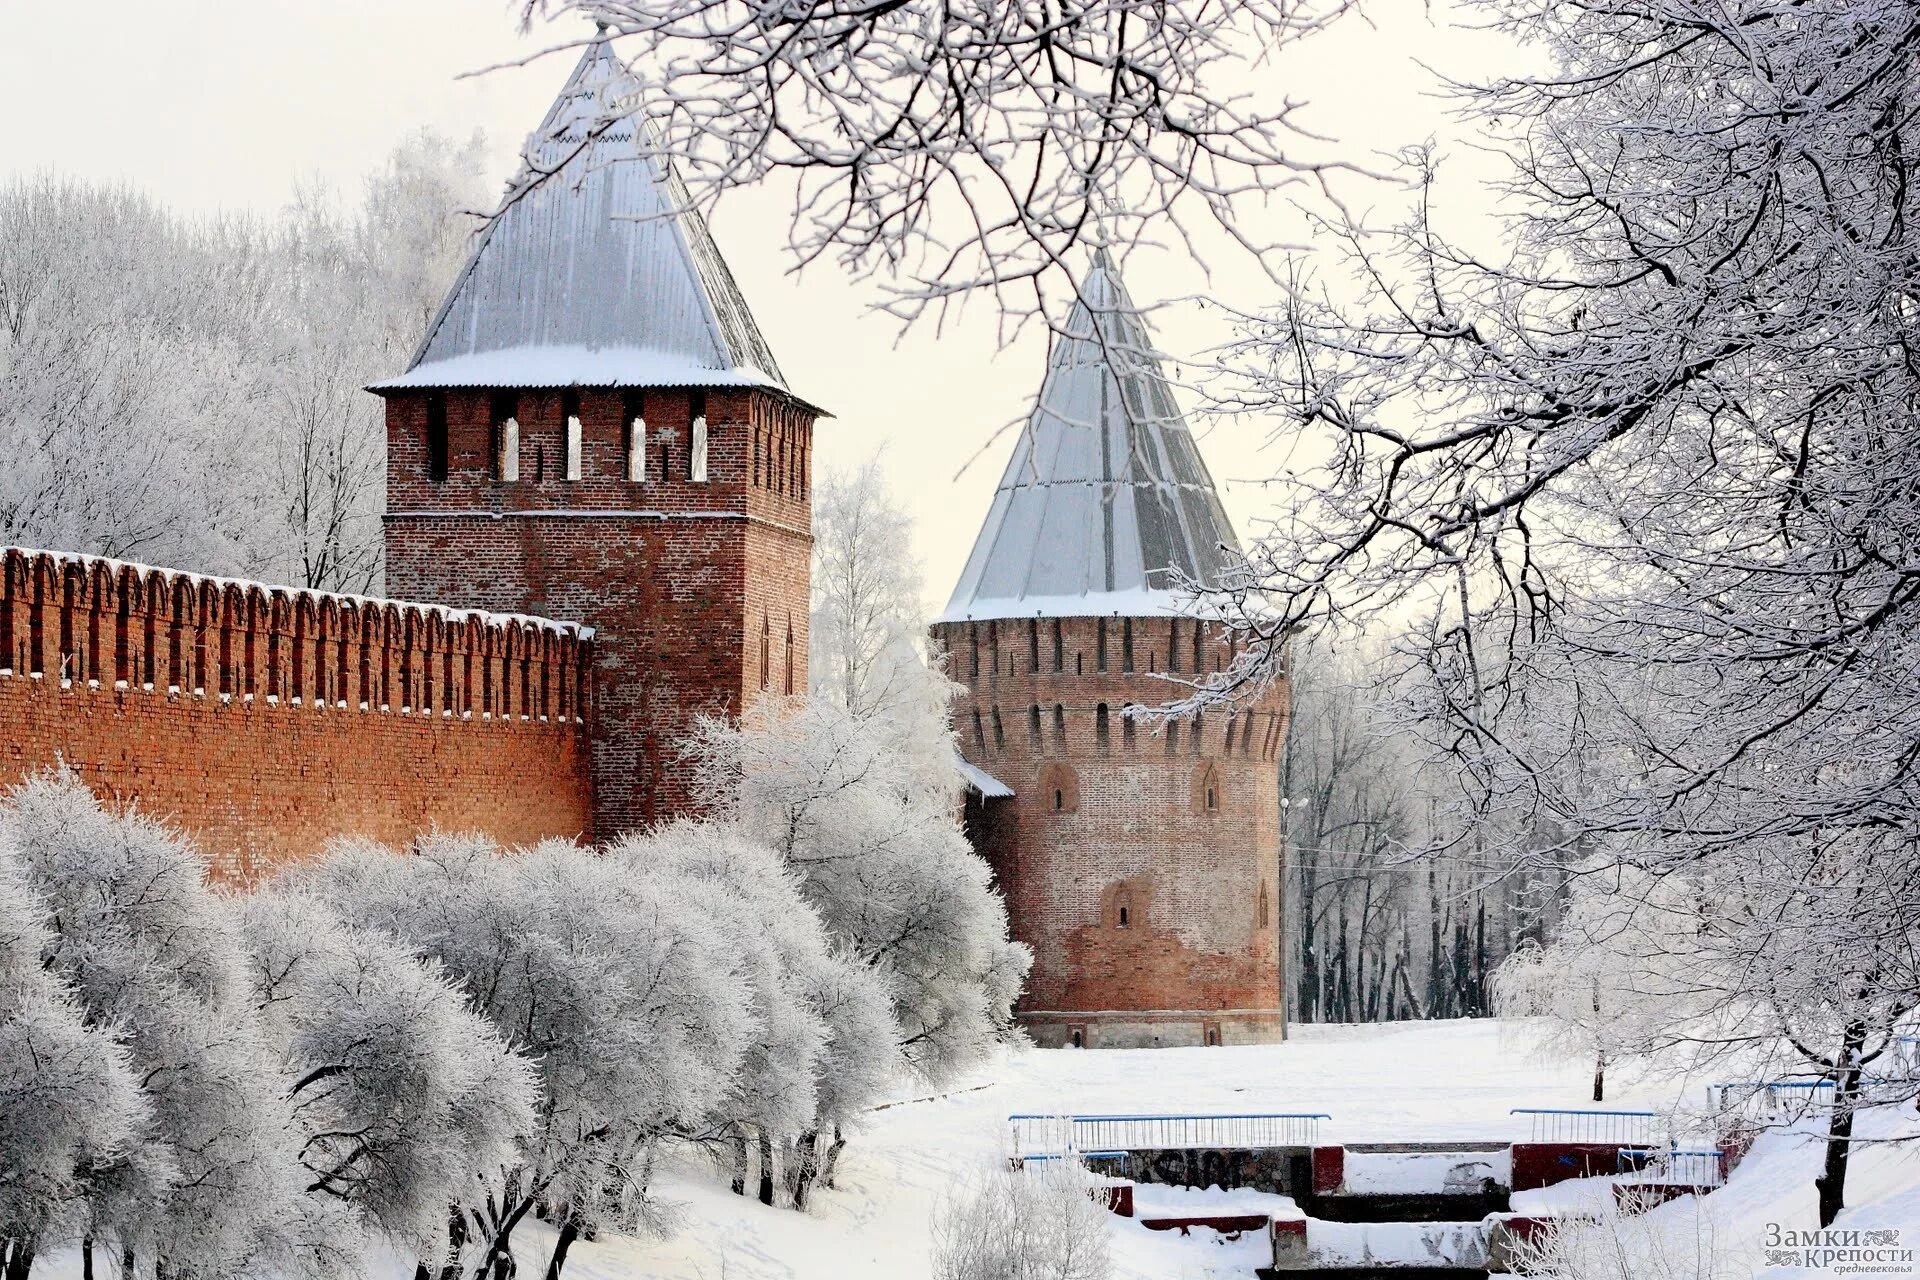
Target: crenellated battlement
86 620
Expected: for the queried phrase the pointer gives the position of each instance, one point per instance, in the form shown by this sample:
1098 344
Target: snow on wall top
594 272
113 568
1106 505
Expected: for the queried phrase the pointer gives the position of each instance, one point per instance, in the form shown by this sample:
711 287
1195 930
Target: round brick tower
1141 862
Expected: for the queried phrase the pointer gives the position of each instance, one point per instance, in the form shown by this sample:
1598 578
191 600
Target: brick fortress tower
1141 866
593 428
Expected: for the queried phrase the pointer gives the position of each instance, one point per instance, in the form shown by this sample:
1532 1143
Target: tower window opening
437 438
1173 646
1033 726
788 680
1100 643
697 442
1078 1038
1059 799
1059 647
1059 725
999 731
506 437
1123 917
1033 645
1127 728
973 651
576 435
979 732
1126 644
635 414
1101 726
766 653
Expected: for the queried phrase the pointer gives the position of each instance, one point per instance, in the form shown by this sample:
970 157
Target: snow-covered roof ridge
480 617
595 271
1106 500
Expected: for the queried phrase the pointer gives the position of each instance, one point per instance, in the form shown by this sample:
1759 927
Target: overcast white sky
229 103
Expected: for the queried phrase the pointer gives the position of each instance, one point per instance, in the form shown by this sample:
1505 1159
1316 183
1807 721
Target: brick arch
1124 903
1209 788
1059 788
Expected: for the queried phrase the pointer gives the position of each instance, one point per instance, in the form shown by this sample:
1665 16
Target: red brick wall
268 721
1132 829
680 579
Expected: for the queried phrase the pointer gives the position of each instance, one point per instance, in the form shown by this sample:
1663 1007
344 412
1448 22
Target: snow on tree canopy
1106 506
595 272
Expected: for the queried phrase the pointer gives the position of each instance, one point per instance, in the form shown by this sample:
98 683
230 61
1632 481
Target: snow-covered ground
1450 1081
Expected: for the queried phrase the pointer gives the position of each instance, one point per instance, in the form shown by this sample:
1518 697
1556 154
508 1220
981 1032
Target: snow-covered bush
1678 1243
68 1101
629 1003
404 1097
1042 1222
211 1187
881 857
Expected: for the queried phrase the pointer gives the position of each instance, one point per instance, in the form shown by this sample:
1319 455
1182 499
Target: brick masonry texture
698 590
266 722
1140 862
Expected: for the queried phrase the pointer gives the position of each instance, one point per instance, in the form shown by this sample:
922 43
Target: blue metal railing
1041 1133
1679 1167
1559 1124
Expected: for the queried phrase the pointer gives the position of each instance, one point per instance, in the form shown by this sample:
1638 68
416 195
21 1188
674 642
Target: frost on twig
965 148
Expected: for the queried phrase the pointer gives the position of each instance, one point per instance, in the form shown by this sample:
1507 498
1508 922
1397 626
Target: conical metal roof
1106 504
594 272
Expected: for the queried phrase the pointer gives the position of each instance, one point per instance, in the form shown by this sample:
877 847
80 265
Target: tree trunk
766 1168
1600 1055
569 1232
807 1169
832 1161
20 1258
1832 1182
126 1263
739 1161
456 1242
86 1259
498 1262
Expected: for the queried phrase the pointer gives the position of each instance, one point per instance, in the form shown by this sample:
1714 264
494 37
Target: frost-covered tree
404 1097
211 1186
867 639
1605 985
628 1003
750 900
68 1100
855 1067
188 391
820 1041
881 857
